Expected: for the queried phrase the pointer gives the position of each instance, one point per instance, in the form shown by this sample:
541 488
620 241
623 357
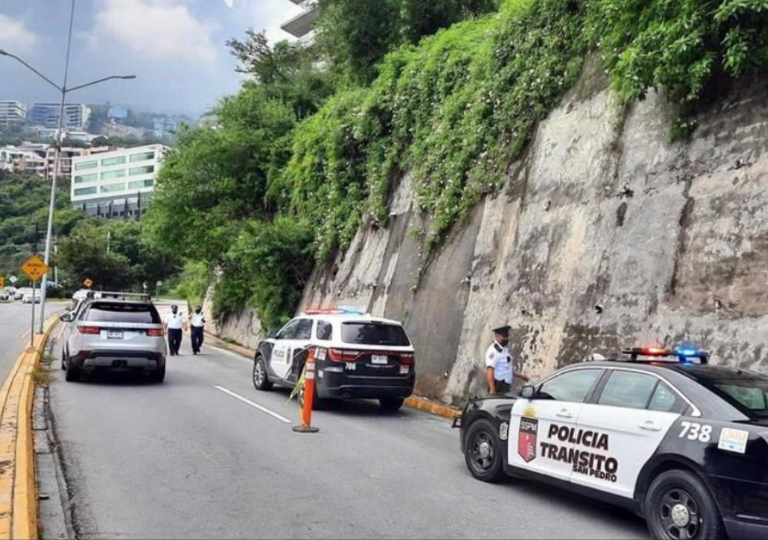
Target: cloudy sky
175 47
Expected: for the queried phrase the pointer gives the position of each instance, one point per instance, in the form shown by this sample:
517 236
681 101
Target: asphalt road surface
206 456
15 324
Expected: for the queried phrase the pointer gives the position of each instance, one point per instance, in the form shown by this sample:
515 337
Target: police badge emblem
526 441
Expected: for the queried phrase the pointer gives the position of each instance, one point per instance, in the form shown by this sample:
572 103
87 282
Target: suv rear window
123 313
374 334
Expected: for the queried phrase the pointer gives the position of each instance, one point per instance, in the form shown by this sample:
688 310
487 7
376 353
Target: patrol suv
358 356
680 442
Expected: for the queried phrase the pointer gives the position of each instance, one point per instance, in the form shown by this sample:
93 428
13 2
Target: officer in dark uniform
499 370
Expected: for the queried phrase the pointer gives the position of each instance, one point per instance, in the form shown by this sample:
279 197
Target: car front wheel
483 452
678 506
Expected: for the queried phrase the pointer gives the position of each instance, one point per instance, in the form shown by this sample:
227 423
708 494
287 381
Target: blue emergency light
687 354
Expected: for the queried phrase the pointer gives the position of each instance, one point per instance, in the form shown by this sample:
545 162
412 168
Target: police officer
197 322
175 323
499 371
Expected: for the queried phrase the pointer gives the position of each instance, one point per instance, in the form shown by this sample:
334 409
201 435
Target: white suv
358 356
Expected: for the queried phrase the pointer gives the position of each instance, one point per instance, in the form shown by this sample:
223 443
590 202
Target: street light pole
63 90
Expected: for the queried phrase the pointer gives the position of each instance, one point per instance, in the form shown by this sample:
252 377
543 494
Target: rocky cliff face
605 235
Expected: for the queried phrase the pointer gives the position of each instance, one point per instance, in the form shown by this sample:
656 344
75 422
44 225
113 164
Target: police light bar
341 310
681 354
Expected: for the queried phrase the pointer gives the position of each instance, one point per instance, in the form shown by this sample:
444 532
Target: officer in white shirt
499 370
175 323
197 322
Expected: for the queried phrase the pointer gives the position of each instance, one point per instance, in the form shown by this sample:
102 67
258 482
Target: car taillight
341 355
408 359
156 332
89 329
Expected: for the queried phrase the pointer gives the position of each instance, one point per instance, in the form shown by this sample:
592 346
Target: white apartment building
12 113
301 25
116 184
76 115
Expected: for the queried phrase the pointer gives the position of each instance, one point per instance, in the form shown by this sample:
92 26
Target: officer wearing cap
499 370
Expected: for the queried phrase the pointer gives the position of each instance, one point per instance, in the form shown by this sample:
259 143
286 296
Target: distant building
119 113
302 24
27 157
76 116
116 184
68 154
164 128
12 113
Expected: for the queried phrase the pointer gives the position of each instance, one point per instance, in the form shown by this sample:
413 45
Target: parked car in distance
27 298
20 292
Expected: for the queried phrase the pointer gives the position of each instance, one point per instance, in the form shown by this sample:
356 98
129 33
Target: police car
680 442
358 356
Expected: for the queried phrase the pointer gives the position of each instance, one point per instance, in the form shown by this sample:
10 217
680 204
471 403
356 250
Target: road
15 322
206 456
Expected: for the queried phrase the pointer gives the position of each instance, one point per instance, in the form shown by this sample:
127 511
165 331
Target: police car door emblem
526 441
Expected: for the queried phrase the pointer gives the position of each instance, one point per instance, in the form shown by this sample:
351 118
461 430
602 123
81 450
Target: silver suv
116 335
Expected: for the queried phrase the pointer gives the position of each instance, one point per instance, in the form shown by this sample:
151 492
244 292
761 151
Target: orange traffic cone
305 413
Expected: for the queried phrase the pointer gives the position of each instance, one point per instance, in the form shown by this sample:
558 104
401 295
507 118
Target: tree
357 34
285 71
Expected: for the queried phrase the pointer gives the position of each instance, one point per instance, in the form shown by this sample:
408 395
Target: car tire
261 375
483 452
391 405
63 359
678 502
158 376
72 373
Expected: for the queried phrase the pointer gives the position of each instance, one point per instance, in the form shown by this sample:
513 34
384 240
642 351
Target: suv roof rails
111 295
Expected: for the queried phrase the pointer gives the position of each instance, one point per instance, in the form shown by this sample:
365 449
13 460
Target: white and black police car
358 356
680 442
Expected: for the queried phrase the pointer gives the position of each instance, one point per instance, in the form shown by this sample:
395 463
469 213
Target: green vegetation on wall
455 109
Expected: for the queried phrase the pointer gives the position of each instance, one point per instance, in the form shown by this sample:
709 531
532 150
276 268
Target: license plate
111 334
378 359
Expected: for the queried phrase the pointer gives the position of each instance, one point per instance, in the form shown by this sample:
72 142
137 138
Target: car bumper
340 386
119 361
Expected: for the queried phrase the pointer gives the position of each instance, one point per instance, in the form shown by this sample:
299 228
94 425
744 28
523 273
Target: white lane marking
252 404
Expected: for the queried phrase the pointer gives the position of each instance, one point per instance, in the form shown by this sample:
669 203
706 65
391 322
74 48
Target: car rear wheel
158 376
260 375
391 405
318 404
678 506
483 452
63 359
73 373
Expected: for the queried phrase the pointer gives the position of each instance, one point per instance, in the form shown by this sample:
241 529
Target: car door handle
650 426
565 413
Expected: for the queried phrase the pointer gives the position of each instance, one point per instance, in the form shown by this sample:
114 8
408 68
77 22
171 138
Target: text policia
583 461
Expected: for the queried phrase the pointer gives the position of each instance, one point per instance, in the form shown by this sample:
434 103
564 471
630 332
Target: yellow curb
431 407
18 489
413 402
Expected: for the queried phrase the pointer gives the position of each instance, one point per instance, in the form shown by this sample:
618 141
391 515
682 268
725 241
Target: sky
176 48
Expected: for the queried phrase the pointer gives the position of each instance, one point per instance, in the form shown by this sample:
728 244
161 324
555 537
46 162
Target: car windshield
747 391
123 313
374 334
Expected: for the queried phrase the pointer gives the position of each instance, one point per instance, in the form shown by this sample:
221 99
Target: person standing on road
175 323
499 371
197 321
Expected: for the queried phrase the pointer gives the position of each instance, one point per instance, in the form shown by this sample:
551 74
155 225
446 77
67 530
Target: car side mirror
273 333
528 392
67 317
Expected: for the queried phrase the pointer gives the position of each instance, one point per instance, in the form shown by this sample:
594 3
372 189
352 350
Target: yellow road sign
2 283
34 268
88 283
